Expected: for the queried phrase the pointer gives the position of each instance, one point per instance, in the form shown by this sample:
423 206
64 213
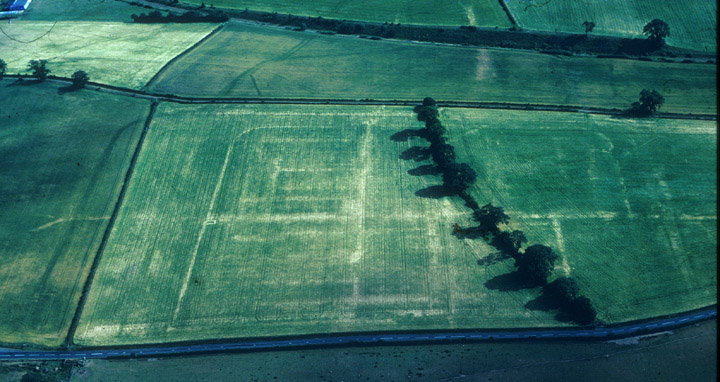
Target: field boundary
600 333
108 229
462 35
360 102
182 54
508 13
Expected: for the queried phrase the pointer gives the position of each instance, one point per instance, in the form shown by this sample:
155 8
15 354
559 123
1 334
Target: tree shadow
494 258
24 82
405 135
428 169
435 192
545 303
67 89
469 201
638 47
415 153
509 282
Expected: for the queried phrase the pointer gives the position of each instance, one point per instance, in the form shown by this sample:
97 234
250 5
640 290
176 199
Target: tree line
535 263
186 17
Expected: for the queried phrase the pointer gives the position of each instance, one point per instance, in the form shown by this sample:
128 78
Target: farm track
587 334
369 102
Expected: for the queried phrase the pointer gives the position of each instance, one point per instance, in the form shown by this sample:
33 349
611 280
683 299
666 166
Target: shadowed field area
63 159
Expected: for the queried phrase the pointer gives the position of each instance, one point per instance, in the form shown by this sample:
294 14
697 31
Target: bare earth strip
245 221
251 61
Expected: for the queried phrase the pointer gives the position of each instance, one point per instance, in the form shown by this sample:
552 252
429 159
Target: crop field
63 159
629 204
119 54
284 64
245 221
486 13
692 22
85 10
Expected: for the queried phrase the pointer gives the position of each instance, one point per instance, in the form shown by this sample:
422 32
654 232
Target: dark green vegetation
689 354
487 13
80 10
692 22
63 159
265 63
628 204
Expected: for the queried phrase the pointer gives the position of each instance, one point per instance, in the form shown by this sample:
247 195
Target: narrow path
598 333
370 102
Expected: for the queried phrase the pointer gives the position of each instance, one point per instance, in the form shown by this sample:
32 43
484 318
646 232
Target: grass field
486 13
114 53
692 23
277 63
270 220
630 205
80 10
63 159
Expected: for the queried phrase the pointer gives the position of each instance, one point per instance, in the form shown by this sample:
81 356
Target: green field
692 22
268 220
63 159
486 13
86 10
284 64
119 54
629 204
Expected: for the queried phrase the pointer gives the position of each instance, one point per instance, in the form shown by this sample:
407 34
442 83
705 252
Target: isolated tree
39 69
458 176
589 26
562 291
80 79
656 31
536 264
490 216
510 242
582 311
650 101
3 68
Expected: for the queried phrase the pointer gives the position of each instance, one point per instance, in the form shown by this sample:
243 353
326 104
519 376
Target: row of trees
457 177
40 72
534 264
187 17
656 30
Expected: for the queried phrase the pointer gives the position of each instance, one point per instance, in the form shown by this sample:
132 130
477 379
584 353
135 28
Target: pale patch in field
471 15
483 68
590 215
64 220
557 227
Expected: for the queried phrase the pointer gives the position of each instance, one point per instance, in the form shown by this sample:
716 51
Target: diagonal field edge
108 229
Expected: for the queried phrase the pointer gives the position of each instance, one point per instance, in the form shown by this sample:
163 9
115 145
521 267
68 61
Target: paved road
545 334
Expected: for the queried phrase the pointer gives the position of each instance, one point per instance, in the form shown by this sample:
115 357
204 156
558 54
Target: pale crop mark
64 220
208 218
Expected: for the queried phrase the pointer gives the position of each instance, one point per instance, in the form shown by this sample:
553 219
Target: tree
589 26
435 129
562 291
39 69
536 264
3 68
490 216
80 79
657 30
458 176
650 101
509 242
427 113
442 153
582 311
427 101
